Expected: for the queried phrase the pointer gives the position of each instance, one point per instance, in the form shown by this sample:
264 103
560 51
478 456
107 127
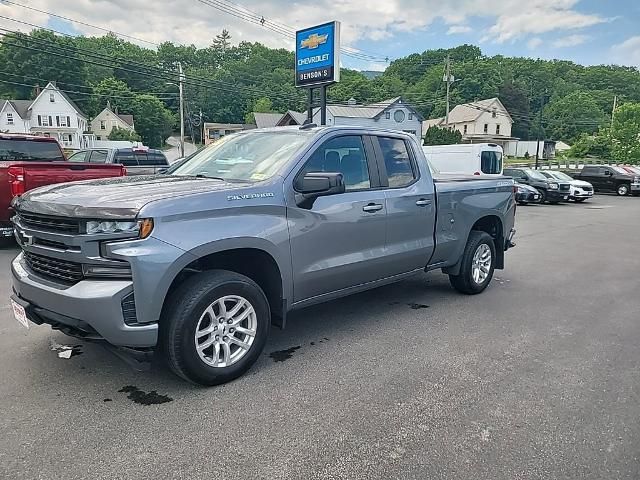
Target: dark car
526 194
606 178
138 161
551 190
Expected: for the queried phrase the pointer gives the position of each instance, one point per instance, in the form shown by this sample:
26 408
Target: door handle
423 202
372 207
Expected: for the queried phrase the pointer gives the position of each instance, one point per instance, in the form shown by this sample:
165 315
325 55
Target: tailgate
47 173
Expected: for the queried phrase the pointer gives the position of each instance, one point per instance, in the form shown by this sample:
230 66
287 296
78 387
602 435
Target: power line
79 22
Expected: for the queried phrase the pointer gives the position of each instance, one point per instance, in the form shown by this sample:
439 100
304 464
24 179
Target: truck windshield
536 174
559 176
18 150
251 156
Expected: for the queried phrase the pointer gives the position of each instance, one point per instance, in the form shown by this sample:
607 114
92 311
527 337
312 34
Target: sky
373 33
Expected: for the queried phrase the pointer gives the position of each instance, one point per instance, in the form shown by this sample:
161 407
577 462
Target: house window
103 125
498 129
52 98
410 116
387 115
46 121
464 129
494 114
63 121
486 128
9 118
398 116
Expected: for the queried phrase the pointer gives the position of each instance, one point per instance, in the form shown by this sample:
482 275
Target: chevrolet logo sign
314 41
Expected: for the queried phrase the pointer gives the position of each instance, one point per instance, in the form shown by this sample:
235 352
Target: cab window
344 155
397 161
79 157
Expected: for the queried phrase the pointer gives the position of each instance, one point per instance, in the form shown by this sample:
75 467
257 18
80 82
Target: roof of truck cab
26 136
325 128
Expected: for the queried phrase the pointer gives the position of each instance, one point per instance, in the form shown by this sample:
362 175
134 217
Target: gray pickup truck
202 261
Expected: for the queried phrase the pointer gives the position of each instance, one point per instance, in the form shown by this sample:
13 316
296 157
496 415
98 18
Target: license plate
536 197
20 314
566 197
590 193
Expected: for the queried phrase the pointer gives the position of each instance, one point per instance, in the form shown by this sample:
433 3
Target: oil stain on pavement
417 306
142 398
282 355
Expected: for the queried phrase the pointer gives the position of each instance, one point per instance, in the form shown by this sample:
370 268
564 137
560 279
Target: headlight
141 228
636 180
522 190
554 186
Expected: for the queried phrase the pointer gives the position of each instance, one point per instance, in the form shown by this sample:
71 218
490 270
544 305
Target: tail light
16 179
124 171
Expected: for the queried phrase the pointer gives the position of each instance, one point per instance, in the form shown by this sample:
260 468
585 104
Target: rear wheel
477 264
215 327
623 189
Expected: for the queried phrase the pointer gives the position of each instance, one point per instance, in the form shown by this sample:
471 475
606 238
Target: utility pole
539 131
201 129
180 86
613 112
448 79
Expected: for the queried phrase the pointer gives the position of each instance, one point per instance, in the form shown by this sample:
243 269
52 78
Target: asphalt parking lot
539 377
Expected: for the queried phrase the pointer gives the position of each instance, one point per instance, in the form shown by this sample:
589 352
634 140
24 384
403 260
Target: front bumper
528 197
89 309
635 187
557 196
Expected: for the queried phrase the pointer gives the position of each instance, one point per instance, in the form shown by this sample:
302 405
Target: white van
466 158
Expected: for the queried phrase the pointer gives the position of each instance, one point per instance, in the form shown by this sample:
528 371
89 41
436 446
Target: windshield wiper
202 175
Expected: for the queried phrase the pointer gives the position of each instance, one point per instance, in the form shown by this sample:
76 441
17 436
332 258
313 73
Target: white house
107 120
394 114
483 121
51 114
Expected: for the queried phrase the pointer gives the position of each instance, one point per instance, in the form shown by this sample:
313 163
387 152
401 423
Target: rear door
98 156
410 204
339 242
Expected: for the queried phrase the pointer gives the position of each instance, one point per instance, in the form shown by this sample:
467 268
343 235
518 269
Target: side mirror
317 184
607 173
523 179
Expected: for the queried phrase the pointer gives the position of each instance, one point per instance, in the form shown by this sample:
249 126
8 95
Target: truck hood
120 197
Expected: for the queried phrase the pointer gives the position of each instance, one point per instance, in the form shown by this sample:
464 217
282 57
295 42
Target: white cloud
627 52
458 29
534 43
190 21
570 41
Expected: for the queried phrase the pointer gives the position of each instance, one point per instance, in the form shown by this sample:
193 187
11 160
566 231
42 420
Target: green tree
625 134
118 133
262 105
568 117
154 122
586 145
441 136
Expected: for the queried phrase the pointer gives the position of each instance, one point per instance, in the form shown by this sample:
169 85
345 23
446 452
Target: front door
339 241
607 176
410 203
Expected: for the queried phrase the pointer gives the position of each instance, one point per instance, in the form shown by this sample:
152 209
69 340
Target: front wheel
215 327
623 189
543 196
477 264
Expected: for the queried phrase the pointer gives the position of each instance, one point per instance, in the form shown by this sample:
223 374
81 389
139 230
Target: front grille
54 268
50 224
129 309
564 187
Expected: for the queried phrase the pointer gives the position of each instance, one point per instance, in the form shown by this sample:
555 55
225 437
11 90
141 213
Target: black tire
623 189
580 200
554 203
543 196
180 320
464 282
6 242
523 203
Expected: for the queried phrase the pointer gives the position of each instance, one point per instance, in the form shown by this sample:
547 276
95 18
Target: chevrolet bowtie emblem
314 41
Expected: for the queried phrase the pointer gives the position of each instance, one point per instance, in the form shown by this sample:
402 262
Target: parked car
551 190
202 261
606 178
466 159
633 170
138 161
526 194
27 162
580 190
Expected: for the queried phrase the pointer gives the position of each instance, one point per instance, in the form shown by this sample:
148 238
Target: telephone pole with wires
448 78
181 88
613 112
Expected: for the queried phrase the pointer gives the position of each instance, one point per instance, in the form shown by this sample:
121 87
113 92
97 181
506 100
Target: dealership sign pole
318 63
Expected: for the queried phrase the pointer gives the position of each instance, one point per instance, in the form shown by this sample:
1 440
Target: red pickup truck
28 161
